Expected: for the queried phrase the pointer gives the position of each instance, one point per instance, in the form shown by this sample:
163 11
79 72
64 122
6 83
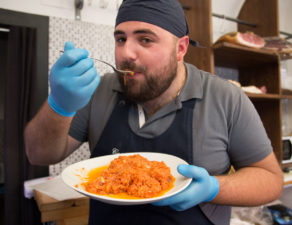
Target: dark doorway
24 87
3 48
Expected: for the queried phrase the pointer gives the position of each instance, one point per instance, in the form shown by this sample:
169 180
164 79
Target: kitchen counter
67 212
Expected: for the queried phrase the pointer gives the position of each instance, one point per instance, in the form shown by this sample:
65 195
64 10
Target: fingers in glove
93 85
191 171
201 175
178 198
90 76
69 46
81 67
72 56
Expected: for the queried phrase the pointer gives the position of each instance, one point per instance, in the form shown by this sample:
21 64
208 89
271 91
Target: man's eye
120 40
146 40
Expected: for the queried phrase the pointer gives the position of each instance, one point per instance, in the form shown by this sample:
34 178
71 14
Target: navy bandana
167 14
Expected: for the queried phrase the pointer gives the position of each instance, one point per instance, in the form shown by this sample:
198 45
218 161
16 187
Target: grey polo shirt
227 129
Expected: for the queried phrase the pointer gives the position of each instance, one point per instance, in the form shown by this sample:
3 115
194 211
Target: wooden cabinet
67 212
256 67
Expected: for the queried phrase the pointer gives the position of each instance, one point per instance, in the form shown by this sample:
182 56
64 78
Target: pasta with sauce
132 175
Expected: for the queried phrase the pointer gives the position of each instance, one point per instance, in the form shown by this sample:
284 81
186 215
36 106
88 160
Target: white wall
285 15
285 19
93 11
229 8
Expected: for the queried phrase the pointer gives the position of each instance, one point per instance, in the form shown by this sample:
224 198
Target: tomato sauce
130 177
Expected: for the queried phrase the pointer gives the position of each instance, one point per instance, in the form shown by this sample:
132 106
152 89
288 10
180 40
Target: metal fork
121 72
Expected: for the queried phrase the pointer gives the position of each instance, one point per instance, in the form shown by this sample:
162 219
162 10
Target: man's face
150 52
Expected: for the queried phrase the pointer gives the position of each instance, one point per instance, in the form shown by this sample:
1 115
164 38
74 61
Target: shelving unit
256 67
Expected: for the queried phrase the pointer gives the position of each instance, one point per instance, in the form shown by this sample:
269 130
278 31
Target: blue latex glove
73 79
203 188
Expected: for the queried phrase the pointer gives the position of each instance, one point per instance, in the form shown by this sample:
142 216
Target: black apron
176 140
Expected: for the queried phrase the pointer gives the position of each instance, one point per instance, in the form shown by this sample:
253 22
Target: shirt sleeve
89 122
79 124
248 140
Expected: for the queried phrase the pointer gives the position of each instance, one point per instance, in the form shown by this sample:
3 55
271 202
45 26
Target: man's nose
130 51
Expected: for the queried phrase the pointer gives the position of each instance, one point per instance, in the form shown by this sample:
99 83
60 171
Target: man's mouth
129 72
131 75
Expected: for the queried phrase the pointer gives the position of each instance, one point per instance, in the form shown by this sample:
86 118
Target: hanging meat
278 44
248 39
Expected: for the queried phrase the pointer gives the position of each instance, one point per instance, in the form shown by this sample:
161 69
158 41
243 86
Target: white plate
75 174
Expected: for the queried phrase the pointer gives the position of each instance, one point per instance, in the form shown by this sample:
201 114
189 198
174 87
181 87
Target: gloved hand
203 188
73 79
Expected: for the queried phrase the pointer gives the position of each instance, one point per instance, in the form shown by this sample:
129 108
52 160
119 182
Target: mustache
126 65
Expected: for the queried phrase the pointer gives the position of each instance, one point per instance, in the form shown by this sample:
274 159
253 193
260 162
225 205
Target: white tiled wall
99 41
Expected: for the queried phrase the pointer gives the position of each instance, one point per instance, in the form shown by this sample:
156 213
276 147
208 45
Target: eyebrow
141 31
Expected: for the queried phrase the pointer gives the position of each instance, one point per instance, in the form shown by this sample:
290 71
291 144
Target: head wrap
167 14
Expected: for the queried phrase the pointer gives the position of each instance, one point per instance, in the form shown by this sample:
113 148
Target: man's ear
182 47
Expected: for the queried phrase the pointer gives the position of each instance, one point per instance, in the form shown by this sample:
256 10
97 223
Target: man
168 106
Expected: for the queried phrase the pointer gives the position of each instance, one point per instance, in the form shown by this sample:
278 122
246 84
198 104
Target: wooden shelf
285 93
286 96
263 96
251 66
286 165
240 48
232 55
285 56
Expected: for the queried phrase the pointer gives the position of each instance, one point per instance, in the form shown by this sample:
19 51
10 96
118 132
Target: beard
155 83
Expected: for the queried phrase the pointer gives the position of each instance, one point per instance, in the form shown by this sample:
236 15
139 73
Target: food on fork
131 73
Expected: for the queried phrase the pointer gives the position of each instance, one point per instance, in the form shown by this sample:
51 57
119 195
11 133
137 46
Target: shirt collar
193 87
